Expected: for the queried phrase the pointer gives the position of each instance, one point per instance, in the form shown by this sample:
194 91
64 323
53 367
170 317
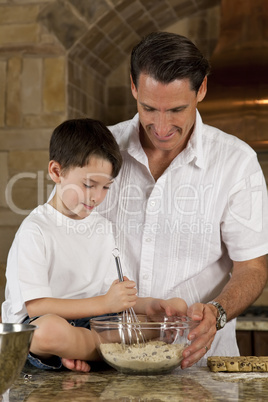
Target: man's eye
106 188
88 185
179 110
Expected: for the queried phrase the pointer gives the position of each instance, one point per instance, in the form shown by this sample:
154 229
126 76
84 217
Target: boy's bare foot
76 365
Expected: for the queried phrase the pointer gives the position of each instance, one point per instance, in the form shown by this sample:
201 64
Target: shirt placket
151 230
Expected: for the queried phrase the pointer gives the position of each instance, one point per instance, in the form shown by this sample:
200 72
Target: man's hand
202 336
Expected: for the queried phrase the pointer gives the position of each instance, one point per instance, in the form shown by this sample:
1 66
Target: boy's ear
54 170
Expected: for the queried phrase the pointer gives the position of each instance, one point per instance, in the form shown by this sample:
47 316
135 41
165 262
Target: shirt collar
194 148
134 145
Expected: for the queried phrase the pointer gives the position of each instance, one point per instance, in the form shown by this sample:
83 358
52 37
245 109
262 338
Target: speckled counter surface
105 384
248 324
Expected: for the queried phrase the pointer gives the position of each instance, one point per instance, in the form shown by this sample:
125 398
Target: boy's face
80 190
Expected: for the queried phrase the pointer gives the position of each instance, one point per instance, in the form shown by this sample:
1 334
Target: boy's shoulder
37 217
45 219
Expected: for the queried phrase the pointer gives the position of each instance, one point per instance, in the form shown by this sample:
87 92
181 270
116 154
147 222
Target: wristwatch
221 317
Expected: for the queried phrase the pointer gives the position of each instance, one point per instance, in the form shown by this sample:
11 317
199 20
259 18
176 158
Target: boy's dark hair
166 57
73 142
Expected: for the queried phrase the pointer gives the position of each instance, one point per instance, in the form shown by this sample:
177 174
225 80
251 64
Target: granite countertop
105 384
254 318
252 323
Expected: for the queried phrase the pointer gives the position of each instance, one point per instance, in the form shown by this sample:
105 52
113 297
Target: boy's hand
121 295
173 306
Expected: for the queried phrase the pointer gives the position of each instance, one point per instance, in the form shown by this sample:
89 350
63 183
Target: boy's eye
106 187
88 185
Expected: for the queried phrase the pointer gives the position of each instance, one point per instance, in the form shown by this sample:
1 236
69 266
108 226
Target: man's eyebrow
181 107
148 106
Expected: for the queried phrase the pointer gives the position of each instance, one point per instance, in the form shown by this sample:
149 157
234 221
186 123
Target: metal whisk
130 322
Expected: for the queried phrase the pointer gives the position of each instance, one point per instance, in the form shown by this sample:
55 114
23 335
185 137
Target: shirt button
148 239
152 203
145 276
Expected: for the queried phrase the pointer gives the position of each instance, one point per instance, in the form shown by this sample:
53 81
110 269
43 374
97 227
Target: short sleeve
244 224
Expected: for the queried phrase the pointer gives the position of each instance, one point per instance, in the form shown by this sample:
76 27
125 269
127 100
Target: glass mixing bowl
153 345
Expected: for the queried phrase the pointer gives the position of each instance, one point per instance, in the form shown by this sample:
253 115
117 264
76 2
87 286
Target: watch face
223 320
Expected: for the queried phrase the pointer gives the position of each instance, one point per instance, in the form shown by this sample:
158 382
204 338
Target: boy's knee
50 332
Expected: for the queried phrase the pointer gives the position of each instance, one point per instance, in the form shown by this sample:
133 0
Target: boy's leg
56 337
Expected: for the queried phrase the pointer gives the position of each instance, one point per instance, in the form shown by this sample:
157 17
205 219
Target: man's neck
159 160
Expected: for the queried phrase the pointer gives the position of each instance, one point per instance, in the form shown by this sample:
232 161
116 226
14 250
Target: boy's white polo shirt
55 256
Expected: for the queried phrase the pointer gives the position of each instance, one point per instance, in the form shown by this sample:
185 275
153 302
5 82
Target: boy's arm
120 296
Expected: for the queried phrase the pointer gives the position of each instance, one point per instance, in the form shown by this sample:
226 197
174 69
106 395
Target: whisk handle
118 264
119 269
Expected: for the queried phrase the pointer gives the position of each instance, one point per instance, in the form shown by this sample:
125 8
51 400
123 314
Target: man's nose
161 124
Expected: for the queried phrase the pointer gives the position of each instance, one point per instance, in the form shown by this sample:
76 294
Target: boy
61 259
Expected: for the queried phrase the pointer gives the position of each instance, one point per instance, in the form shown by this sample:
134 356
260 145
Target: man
190 218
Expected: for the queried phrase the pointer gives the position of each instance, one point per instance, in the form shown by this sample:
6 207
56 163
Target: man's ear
133 88
202 90
54 170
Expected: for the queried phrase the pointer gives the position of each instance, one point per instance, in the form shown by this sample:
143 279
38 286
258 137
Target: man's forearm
245 286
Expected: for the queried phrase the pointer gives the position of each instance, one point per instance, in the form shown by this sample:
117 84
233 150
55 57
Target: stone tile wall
69 58
33 73
202 28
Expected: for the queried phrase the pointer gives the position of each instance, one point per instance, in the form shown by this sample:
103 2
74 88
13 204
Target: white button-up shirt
178 235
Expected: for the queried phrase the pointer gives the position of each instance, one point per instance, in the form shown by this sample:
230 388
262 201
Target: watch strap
221 316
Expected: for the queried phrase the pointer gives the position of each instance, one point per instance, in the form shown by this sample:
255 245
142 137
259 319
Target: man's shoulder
217 138
122 131
119 127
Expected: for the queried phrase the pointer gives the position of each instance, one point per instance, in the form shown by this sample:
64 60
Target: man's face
167 112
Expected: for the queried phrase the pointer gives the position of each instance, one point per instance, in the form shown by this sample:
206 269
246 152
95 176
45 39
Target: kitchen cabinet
252 343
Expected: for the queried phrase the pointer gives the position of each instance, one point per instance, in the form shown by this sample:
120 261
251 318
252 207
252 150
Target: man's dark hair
73 142
166 57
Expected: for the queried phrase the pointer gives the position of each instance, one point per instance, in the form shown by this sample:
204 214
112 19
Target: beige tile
25 191
15 14
16 34
91 10
9 218
14 139
54 85
27 161
119 76
3 66
43 120
13 113
31 97
61 19
3 177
